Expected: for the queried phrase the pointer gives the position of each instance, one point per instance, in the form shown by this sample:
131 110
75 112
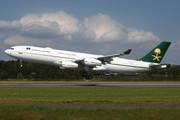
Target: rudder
157 54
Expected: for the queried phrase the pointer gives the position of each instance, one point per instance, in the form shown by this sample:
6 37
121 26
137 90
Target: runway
90 85
102 106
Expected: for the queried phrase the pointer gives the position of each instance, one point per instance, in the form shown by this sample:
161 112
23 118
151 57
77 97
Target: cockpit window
12 48
28 48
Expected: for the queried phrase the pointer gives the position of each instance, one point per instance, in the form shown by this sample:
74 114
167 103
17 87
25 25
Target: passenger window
28 48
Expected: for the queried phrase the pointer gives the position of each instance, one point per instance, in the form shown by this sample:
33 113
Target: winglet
127 52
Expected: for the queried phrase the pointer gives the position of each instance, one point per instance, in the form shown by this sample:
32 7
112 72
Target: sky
92 26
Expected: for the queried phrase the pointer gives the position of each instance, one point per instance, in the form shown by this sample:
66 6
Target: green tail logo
157 54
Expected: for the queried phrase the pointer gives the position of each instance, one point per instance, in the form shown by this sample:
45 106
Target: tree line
17 70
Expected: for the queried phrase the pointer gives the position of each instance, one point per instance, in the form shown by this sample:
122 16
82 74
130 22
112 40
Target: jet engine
69 64
92 62
66 64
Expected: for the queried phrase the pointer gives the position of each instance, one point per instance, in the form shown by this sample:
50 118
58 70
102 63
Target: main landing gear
86 74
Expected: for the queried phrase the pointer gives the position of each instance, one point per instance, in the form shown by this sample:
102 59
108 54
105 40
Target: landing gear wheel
90 77
82 74
87 75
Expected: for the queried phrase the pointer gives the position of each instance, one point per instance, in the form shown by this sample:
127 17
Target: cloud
51 24
179 42
137 36
102 28
40 29
22 40
9 25
1 35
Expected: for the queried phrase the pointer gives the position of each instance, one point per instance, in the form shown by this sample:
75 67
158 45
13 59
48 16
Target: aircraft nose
7 51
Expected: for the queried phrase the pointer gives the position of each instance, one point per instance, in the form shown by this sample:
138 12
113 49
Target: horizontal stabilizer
160 66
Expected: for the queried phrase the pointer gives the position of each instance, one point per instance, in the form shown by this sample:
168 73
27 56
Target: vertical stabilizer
157 54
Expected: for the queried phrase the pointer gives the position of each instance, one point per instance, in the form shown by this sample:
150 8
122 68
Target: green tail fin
157 54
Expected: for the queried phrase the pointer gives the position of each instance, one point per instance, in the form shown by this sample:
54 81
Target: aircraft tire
87 75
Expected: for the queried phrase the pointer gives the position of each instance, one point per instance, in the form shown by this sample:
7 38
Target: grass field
90 95
47 113
27 103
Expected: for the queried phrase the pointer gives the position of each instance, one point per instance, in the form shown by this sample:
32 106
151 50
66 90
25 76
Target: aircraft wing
108 58
100 59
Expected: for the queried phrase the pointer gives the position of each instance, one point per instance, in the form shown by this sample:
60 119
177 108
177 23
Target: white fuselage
53 57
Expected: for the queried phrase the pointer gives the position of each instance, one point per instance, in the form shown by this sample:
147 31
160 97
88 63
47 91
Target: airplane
91 62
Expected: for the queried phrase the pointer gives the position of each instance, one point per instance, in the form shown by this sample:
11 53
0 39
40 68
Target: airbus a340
91 62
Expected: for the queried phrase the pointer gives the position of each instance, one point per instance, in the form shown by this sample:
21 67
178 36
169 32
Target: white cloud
34 29
59 23
136 36
9 25
102 28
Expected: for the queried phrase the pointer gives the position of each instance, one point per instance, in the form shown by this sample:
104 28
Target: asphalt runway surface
93 85
101 106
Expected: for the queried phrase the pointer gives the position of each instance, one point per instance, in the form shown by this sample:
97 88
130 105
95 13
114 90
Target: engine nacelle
69 64
92 62
99 68
66 64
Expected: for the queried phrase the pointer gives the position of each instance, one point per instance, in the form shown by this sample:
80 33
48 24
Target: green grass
90 95
46 113
20 103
